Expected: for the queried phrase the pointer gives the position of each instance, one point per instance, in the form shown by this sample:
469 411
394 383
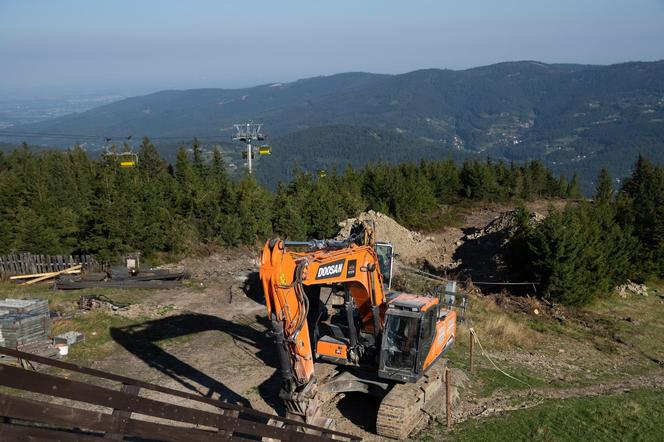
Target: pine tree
574 188
604 188
287 221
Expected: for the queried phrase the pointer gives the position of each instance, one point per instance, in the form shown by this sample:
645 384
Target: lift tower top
246 133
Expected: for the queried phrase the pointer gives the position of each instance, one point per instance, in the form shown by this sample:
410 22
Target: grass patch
66 300
96 328
636 415
95 325
497 328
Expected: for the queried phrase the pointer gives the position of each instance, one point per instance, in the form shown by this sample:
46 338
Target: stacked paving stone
24 322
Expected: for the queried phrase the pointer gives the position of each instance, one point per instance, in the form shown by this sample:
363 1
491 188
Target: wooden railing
119 410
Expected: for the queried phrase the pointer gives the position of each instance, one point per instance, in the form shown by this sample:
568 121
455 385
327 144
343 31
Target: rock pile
505 224
631 288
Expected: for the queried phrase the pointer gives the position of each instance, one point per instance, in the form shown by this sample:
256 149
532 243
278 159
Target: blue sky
71 46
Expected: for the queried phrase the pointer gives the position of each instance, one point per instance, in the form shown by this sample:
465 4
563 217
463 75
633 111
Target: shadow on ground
361 409
142 340
253 289
484 260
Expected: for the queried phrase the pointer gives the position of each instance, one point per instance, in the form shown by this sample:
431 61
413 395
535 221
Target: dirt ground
211 337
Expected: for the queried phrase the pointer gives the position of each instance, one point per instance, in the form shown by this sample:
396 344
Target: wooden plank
76 269
62 415
78 391
159 388
119 430
11 432
36 275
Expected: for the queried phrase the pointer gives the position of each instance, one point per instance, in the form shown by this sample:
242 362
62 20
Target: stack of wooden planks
38 277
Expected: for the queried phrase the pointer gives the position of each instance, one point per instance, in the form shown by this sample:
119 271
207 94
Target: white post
249 155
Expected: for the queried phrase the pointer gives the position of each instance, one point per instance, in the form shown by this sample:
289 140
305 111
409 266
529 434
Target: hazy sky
138 46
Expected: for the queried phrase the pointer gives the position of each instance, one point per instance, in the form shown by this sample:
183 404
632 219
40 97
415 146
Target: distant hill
574 117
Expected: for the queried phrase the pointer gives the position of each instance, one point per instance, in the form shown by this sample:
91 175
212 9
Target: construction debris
100 302
625 290
110 284
69 338
38 277
123 278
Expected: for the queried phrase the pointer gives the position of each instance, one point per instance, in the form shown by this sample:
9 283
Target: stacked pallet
24 323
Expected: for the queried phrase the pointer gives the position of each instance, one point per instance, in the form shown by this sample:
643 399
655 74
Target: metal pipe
348 303
317 244
375 311
284 363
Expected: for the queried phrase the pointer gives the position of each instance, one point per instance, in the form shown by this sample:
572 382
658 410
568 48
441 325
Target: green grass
95 325
96 328
66 300
635 415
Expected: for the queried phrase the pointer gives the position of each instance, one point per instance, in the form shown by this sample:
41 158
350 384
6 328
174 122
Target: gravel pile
410 246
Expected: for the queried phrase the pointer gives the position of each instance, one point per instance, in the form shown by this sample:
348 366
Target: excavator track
401 410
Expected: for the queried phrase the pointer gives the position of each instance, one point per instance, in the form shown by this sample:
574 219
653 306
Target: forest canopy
62 202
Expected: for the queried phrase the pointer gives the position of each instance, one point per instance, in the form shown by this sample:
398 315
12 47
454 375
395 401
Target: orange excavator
389 344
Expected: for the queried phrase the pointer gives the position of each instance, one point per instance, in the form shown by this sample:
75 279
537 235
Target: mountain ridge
570 116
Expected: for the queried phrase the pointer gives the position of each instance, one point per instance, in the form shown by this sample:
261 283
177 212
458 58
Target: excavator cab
416 333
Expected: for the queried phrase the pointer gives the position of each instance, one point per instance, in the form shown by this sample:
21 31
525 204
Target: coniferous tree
604 188
574 188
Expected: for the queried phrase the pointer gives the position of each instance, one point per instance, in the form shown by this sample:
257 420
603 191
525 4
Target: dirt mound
410 246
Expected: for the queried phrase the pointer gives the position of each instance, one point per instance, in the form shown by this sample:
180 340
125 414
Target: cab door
385 252
427 336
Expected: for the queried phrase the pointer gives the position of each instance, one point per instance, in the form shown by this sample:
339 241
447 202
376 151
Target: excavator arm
287 270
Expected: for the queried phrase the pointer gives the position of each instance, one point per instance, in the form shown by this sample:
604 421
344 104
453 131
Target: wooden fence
27 263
